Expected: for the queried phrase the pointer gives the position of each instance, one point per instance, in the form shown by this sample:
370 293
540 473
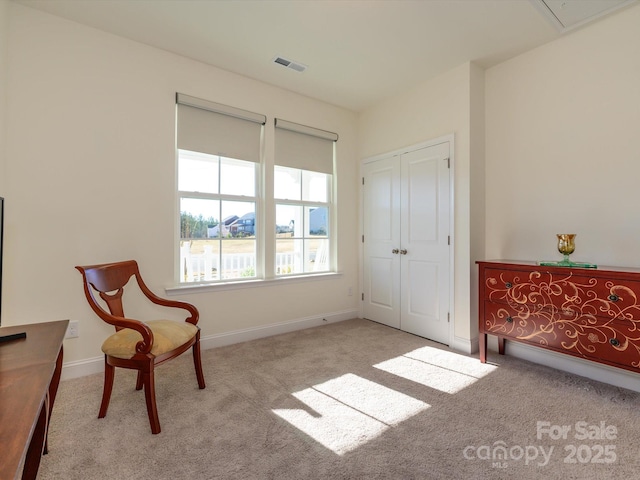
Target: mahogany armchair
138 345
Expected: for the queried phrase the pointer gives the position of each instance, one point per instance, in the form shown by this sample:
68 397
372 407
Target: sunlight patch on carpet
445 371
349 411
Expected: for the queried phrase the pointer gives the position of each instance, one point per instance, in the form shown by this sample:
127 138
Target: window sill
238 285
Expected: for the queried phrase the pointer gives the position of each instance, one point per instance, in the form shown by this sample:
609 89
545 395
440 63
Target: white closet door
424 233
382 235
406 271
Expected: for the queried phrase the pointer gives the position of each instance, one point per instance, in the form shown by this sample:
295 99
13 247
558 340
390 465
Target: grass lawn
245 245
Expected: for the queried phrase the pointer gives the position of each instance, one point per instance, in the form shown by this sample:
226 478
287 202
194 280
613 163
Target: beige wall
562 146
433 109
91 177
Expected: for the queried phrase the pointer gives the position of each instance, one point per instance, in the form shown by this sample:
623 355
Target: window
218 166
221 205
217 219
303 193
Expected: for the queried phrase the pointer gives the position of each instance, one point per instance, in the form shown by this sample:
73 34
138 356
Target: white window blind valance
306 148
217 129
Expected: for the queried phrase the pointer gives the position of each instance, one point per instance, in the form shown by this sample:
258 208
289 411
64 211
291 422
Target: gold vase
566 246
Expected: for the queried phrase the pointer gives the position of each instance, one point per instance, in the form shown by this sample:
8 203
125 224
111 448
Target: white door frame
445 138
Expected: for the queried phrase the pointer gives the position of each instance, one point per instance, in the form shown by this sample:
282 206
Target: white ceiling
358 52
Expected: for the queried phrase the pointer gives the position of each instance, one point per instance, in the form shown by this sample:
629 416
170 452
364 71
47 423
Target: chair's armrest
193 311
143 346
195 314
121 322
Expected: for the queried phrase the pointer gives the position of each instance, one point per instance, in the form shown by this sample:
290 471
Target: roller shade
306 148
217 129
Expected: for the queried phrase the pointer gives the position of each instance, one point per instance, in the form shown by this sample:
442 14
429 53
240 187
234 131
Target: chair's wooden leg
109 371
150 397
197 361
139 380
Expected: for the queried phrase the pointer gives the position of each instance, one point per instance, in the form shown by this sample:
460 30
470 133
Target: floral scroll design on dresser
581 315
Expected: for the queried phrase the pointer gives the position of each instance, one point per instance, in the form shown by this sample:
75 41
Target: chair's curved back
107 278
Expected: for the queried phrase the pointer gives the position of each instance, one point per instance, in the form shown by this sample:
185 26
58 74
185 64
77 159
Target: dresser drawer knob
614 341
508 284
509 319
614 298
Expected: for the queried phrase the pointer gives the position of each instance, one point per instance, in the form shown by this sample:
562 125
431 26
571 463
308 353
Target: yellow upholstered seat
167 336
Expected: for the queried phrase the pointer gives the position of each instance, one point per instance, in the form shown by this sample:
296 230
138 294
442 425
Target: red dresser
588 313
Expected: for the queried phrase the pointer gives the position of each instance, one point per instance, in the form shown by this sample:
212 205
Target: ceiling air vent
297 66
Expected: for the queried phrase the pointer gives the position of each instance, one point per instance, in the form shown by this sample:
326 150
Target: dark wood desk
29 376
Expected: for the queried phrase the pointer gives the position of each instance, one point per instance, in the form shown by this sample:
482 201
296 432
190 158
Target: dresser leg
501 345
482 342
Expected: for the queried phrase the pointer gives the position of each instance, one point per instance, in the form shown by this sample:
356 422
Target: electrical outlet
72 330
350 291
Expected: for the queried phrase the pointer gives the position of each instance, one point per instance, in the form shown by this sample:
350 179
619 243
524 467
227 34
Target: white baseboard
585 368
464 345
80 368
254 333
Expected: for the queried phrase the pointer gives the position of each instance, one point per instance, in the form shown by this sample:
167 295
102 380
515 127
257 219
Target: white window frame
330 238
290 140
222 197
265 265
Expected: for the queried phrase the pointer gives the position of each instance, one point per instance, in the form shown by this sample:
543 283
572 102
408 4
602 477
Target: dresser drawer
520 323
568 294
615 342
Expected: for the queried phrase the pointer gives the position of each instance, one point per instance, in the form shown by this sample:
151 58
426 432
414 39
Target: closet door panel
381 228
424 233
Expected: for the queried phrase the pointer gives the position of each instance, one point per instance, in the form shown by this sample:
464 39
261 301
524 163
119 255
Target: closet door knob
395 251
403 252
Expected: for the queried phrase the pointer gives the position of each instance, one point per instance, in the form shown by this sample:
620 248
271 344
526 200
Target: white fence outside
205 266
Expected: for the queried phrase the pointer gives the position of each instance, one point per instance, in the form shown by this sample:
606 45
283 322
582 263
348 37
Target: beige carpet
352 400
